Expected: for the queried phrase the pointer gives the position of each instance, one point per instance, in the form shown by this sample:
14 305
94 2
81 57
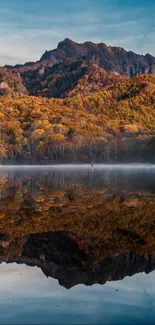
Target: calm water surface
77 245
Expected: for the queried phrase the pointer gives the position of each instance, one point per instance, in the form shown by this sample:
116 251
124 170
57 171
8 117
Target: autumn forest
72 106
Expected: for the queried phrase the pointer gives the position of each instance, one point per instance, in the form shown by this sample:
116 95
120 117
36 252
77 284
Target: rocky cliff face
60 71
114 59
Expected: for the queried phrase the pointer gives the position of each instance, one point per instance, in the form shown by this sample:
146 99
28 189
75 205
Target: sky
29 27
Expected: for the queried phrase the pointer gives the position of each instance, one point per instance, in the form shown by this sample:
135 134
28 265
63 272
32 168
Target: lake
77 244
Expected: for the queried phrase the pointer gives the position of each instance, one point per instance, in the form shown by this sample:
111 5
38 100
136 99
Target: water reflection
81 226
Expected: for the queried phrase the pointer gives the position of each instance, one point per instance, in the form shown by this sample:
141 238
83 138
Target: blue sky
29 27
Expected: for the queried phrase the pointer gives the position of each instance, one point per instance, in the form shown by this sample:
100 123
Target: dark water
77 245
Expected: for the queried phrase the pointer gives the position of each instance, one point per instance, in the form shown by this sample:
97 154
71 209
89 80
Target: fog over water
82 166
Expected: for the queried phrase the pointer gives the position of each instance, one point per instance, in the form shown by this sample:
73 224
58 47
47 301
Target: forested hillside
80 102
116 124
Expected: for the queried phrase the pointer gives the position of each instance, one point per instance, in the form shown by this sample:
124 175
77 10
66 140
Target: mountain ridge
108 57
60 70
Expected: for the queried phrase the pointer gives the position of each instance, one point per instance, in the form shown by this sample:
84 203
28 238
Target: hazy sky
29 27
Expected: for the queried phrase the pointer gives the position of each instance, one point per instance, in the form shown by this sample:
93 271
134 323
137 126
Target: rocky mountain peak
66 42
111 58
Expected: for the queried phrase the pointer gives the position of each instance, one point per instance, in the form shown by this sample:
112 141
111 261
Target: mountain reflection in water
79 226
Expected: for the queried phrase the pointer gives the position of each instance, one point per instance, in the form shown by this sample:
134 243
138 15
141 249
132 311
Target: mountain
114 59
111 58
59 71
80 102
67 78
